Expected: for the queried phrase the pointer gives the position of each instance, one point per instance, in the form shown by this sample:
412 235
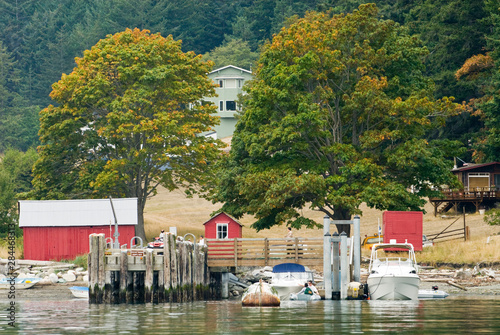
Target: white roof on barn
88 212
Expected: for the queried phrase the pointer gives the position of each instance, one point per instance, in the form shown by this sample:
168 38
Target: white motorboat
19 283
80 291
395 277
289 278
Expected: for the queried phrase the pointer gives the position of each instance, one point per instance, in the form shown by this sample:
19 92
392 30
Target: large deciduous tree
336 116
128 119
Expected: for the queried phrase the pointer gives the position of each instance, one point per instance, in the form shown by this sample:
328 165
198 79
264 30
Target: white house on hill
230 80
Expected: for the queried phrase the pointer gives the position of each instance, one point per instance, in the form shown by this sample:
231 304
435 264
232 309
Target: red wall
234 229
56 243
403 226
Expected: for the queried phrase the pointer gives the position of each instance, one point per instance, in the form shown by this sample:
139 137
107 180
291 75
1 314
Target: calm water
453 315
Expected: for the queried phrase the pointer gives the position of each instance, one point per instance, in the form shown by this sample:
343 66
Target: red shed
60 229
403 227
223 226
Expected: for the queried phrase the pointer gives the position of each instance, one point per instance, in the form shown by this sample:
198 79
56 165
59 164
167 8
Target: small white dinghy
80 291
19 283
304 297
435 293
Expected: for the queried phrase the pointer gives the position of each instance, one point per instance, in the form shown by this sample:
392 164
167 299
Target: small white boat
435 293
395 277
260 294
289 278
304 297
20 283
80 291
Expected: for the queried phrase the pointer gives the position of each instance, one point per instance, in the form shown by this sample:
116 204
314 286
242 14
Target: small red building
60 229
403 227
223 226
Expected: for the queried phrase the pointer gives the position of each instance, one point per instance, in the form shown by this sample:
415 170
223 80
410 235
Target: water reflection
458 315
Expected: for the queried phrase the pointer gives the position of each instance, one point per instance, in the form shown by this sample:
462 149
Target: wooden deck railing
472 193
239 252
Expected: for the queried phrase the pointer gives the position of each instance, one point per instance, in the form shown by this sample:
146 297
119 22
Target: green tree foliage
482 73
127 120
336 116
15 179
233 52
492 217
18 124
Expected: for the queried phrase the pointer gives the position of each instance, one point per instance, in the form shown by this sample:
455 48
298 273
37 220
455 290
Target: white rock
256 273
86 278
79 269
53 278
70 276
267 274
45 281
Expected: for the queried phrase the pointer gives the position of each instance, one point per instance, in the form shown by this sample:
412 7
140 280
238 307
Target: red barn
223 226
60 229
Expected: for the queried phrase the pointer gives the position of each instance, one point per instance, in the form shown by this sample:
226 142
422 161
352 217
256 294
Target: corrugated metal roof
88 212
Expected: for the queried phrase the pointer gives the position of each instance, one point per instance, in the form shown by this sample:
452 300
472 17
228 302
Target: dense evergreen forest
39 40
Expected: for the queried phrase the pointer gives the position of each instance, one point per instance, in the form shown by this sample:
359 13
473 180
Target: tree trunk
139 229
342 214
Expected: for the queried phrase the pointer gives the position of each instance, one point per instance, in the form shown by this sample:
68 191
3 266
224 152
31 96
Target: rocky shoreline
56 278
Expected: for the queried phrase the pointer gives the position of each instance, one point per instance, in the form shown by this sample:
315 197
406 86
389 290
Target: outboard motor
356 291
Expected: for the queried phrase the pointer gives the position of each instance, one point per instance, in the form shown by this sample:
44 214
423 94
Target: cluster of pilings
176 273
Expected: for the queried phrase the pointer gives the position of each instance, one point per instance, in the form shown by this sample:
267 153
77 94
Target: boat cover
289 267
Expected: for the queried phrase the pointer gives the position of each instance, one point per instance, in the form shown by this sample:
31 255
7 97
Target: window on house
221 83
240 83
479 180
221 105
222 230
230 105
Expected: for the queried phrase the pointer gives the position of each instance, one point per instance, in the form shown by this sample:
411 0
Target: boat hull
80 291
286 290
20 283
304 297
432 294
392 287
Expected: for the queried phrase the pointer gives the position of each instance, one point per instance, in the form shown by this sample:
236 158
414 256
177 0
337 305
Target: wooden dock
183 271
176 273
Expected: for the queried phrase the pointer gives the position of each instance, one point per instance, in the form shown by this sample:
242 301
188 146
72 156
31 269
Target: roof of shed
69 213
474 166
213 217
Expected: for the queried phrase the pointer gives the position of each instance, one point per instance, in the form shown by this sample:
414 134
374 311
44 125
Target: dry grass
18 248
